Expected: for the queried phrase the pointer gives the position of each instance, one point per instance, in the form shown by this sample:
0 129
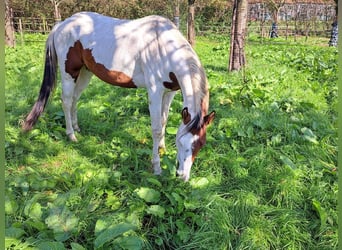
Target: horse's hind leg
81 83
68 88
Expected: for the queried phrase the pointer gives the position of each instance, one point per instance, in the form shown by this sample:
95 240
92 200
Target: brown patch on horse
77 57
174 84
201 131
74 62
199 143
186 116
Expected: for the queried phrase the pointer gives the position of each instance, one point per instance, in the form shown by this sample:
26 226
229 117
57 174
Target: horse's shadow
115 130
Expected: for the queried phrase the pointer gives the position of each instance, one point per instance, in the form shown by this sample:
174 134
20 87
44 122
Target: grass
266 179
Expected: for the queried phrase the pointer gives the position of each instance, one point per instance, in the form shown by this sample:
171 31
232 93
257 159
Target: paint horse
149 52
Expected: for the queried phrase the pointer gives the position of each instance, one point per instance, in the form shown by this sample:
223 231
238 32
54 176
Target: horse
148 52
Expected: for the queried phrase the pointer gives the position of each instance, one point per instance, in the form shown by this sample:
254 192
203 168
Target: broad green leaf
33 208
51 245
309 135
192 204
93 205
199 182
177 197
183 231
76 246
62 221
35 211
148 194
171 130
156 210
130 242
171 199
37 224
102 176
14 232
61 236
112 233
101 225
180 201
11 205
259 93
287 161
154 181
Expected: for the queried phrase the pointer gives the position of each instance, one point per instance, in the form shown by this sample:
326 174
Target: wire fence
27 25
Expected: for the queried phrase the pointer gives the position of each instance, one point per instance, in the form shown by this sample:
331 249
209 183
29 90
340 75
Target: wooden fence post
21 31
44 25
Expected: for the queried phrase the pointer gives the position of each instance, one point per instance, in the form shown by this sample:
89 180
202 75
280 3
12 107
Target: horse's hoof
72 137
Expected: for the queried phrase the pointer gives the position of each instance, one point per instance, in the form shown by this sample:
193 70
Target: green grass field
267 178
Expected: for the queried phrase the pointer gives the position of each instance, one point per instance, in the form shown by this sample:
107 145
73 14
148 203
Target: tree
57 13
334 28
176 13
275 6
191 22
9 27
237 58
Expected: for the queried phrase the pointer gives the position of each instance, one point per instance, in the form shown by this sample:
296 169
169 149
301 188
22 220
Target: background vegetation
213 10
267 178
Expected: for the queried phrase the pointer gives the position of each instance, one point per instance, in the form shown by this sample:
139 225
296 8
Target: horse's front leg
166 103
155 101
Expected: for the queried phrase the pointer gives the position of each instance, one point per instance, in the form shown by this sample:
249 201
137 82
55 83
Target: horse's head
191 137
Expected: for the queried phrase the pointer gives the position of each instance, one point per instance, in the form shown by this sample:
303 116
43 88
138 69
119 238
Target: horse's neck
195 95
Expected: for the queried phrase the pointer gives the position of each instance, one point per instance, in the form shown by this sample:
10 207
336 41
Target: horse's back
91 26
106 36
145 50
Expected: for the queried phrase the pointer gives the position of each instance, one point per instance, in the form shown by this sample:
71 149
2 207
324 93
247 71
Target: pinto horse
148 52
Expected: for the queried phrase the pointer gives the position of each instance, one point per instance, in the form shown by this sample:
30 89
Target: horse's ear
186 116
209 118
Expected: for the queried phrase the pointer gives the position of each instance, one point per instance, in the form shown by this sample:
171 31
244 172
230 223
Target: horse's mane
198 77
201 94
199 85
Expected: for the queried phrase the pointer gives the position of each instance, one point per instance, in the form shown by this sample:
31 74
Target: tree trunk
237 58
334 34
334 29
56 12
176 13
262 22
9 27
191 22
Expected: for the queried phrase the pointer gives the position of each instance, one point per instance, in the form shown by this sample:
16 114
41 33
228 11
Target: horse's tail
48 84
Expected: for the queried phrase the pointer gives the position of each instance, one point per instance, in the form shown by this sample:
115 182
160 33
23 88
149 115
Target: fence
285 29
32 25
